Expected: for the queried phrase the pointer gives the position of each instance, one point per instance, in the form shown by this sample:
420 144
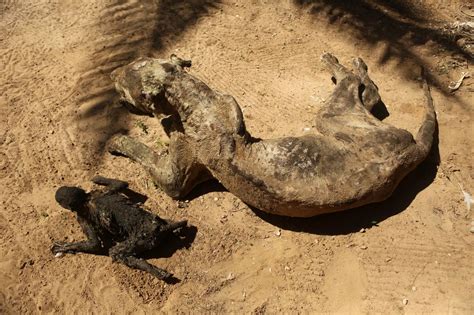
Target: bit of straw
456 85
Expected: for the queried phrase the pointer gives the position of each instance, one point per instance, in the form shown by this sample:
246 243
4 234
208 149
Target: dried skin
352 160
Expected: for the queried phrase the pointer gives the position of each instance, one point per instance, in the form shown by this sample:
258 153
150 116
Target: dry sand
58 108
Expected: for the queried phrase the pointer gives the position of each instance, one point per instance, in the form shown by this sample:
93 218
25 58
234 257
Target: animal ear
180 62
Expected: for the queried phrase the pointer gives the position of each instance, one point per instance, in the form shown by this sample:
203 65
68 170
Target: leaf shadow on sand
129 29
398 25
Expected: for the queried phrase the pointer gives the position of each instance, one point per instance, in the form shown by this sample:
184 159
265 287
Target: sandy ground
411 254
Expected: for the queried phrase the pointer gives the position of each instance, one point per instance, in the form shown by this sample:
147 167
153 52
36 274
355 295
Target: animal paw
160 273
329 58
61 248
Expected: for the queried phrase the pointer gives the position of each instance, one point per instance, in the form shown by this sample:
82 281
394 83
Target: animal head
142 81
72 198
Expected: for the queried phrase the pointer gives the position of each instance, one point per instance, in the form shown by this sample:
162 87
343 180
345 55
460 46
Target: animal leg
345 105
344 100
176 172
338 71
370 95
122 252
91 246
113 185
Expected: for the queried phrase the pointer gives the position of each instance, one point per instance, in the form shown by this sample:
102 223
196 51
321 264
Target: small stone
230 276
472 229
58 255
363 247
287 268
362 230
388 259
321 273
216 199
316 241
405 301
413 288
278 232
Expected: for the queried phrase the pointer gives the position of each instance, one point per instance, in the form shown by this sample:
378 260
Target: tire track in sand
428 263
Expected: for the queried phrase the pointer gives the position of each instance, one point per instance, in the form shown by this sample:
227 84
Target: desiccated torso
115 215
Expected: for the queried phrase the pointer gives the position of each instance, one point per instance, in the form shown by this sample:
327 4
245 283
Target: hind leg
175 172
345 97
344 109
124 253
338 71
370 95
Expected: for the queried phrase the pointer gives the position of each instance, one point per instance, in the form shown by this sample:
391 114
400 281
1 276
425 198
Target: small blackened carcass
111 221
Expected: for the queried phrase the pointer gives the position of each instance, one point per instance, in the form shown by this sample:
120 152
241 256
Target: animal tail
424 136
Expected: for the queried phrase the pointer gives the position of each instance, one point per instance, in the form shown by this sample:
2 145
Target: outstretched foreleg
92 245
175 172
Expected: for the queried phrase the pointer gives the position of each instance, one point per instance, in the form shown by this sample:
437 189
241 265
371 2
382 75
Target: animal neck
186 94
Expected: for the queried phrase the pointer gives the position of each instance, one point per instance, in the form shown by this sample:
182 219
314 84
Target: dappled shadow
396 23
176 16
128 30
122 33
354 220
